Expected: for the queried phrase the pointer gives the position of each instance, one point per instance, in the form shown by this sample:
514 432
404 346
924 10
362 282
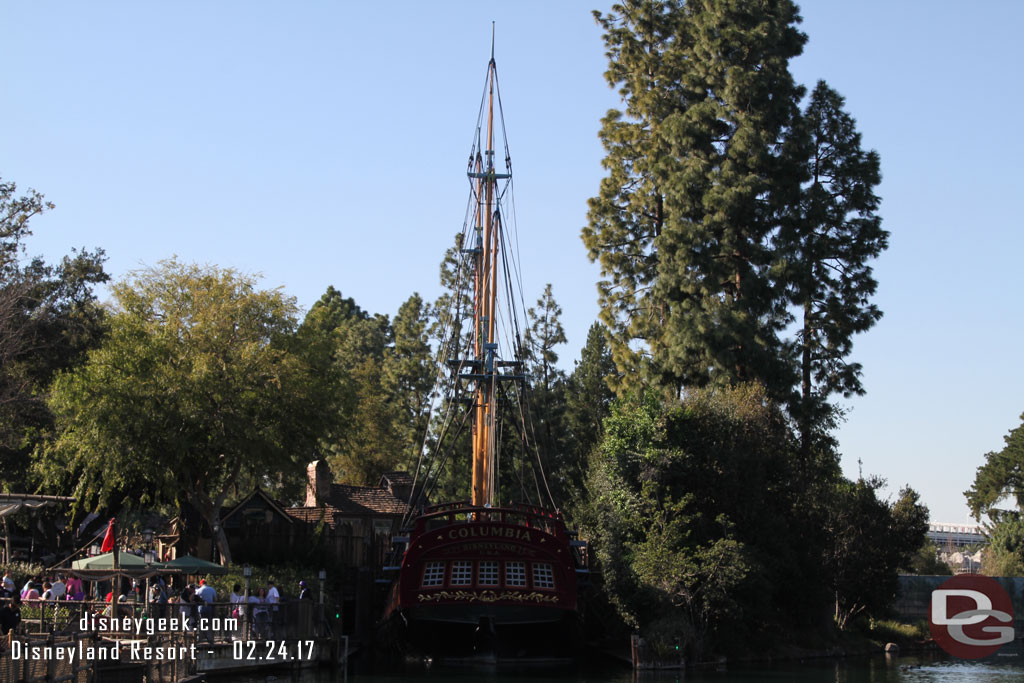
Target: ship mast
485 311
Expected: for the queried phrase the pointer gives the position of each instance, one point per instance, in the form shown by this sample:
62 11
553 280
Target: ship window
515 573
488 573
462 573
543 577
433 574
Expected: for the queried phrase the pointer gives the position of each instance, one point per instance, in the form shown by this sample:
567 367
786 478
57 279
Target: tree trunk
805 391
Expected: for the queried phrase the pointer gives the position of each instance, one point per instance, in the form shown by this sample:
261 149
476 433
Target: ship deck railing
462 512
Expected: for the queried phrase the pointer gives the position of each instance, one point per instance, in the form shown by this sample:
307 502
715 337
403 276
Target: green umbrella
193 565
102 566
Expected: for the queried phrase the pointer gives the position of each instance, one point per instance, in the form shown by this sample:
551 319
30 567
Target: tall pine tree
826 248
683 223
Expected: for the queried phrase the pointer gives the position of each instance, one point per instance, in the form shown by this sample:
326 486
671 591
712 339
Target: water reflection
1005 666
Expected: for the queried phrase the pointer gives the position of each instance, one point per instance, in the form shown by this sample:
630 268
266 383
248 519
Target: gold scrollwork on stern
487 596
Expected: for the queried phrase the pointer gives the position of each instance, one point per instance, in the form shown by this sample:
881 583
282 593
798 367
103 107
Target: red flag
108 540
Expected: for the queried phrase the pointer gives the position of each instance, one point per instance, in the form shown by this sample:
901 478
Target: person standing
58 587
273 599
205 596
10 615
260 616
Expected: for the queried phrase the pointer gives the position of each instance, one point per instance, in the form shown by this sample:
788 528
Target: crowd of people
50 587
260 609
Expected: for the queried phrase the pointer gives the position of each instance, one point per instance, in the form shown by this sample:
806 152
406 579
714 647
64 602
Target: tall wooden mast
485 309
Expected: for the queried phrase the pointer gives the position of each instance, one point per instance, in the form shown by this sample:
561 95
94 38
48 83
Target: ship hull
496 584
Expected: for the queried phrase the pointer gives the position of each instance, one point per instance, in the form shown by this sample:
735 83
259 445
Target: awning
13 502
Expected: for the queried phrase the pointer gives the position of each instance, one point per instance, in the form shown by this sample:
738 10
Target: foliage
688 505
49 318
379 375
1000 477
825 247
196 385
543 335
588 399
926 562
1004 553
683 223
892 631
22 572
871 539
286 576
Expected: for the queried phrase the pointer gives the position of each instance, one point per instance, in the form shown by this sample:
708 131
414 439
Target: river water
1007 665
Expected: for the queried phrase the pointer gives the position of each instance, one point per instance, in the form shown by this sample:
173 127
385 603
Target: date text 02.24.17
272 650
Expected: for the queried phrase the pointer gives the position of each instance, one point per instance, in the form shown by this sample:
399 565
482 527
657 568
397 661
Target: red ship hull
502 578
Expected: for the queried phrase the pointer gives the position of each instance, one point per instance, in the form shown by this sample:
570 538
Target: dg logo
971 616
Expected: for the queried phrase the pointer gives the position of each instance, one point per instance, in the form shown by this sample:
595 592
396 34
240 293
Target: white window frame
488 573
518 578
543 576
462 573
432 578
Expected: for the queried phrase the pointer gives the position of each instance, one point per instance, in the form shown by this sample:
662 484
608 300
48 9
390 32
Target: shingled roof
328 501
357 500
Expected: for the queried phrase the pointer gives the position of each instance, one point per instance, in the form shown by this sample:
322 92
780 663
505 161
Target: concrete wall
916 592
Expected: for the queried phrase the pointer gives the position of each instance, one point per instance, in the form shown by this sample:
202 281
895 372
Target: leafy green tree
689 512
683 223
1004 553
926 562
871 540
197 384
826 247
49 318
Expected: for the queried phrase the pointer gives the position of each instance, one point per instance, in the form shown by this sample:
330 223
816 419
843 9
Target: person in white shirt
273 598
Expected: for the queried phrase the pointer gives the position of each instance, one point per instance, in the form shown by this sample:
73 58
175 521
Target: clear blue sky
324 143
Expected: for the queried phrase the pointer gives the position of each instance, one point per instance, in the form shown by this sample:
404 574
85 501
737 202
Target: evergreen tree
543 335
546 399
826 247
454 308
683 222
352 348
452 330
588 398
409 373
1001 477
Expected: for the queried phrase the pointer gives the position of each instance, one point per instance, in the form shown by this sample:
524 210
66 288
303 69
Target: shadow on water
1005 666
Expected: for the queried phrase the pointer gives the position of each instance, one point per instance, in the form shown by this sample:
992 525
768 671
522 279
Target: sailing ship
482 578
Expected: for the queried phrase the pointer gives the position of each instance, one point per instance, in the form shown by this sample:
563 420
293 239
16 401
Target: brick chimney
318 483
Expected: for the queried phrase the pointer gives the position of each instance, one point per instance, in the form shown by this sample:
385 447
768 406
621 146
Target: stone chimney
318 483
